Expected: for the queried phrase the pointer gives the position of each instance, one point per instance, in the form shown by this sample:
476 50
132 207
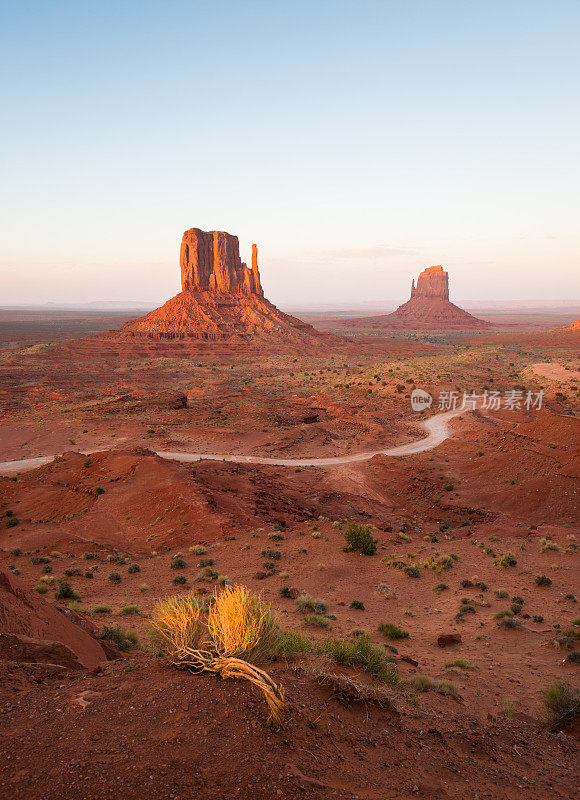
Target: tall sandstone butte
429 308
221 300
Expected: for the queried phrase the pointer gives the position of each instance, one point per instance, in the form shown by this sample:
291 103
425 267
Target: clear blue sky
356 142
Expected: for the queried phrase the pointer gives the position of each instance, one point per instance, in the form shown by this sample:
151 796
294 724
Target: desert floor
505 482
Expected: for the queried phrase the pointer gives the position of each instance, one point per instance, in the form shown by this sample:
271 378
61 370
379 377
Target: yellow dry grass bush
241 625
221 636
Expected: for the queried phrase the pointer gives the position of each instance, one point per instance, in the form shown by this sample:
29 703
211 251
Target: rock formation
221 301
574 326
429 308
34 631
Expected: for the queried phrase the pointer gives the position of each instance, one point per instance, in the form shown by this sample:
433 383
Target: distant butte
221 301
429 308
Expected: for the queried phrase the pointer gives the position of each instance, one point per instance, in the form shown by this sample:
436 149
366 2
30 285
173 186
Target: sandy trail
437 431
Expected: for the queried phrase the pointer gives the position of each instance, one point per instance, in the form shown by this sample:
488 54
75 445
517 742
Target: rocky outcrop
221 301
429 308
34 631
210 262
432 282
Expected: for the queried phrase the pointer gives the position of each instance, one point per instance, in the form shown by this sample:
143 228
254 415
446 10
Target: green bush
114 577
66 592
317 621
12 522
562 702
506 560
543 580
124 640
293 643
358 604
360 652
307 603
128 610
178 562
133 568
393 631
359 539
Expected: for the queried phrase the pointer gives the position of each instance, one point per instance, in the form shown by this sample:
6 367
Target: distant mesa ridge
222 300
428 308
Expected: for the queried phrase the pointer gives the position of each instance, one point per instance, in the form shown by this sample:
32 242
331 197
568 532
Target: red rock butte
221 301
429 308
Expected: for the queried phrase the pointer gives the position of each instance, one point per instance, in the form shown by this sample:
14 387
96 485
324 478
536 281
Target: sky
355 142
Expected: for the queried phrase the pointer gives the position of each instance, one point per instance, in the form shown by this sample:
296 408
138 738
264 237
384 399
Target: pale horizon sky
356 142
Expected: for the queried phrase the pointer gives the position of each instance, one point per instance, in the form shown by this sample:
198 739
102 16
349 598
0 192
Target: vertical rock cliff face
210 262
432 282
221 301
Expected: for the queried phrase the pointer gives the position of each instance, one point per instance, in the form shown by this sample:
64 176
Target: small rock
446 639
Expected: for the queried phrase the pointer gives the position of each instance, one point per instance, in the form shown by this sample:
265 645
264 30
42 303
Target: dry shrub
221 636
346 689
241 626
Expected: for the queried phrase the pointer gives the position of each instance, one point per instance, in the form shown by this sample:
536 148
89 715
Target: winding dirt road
437 431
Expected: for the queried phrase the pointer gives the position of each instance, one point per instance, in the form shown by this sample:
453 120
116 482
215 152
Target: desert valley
420 563
289 401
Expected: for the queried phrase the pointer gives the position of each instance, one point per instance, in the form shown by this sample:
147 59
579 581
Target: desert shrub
179 580
517 599
72 573
133 568
66 592
543 580
481 586
284 591
546 545
466 608
198 550
440 587
222 636
317 621
98 490
277 536
206 562
505 613
88 574
506 560
41 588
307 603
393 631
460 663
466 584
12 522
144 587
293 643
538 618
360 652
178 562
509 622
102 609
210 573
124 640
574 657
501 594
422 683
129 610
87 462
412 571
359 539
114 577
516 608
275 555
358 604
562 702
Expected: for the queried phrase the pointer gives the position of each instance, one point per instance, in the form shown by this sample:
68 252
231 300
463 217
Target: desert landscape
289 401
421 567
